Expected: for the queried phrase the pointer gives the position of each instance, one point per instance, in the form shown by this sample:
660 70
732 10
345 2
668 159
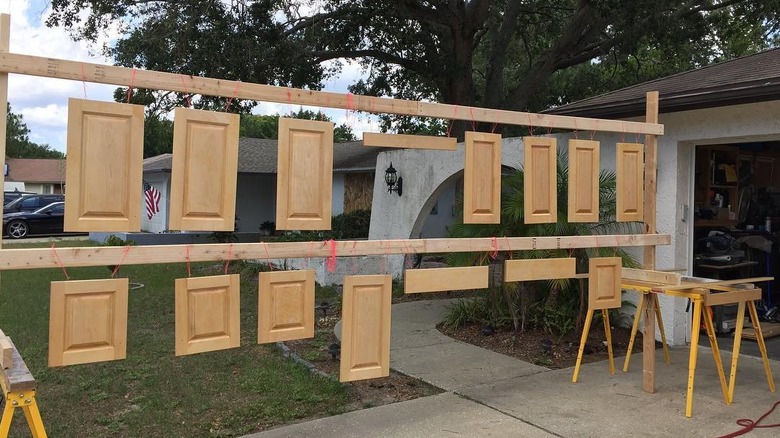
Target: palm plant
515 299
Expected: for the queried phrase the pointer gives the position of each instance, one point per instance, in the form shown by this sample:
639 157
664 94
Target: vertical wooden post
5 38
651 165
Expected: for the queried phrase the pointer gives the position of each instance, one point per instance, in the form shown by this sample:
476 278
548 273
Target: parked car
10 196
31 203
46 220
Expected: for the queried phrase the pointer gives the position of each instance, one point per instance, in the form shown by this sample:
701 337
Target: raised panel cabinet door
539 269
630 166
445 279
583 181
207 314
482 179
104 166
204 171
285 306
540 188
365 327
410 141
87 321
604 280
304 175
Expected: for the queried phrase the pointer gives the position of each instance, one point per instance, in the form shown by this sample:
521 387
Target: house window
47 189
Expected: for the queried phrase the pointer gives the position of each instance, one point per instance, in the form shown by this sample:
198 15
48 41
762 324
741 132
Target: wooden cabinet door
365 327
445 279
540 187
104 166
285 306
604 278
87 321
539 269
482 179
630 164
305 175
204 171
207 314
583 181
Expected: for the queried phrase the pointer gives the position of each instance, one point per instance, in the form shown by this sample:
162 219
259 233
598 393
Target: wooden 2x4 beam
37 258
123 76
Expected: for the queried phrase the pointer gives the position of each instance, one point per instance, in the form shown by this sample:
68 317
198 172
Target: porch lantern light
394 182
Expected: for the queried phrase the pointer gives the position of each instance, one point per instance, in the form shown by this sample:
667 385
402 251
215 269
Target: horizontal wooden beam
660 277
410 141
36 258
446 279
732 297
125 77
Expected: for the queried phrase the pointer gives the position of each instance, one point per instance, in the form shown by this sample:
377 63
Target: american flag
152 198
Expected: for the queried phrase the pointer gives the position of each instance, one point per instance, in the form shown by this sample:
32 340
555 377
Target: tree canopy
509 54
17 140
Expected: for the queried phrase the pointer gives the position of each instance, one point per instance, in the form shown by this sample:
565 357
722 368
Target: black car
47 220
11 196
31 203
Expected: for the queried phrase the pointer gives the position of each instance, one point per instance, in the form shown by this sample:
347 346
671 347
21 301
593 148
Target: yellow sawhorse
647 297
18 387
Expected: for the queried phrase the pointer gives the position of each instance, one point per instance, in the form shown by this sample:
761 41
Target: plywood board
540 187
365 327
630 164
445 279
410 141
583 181
207 314
285 306
482 179
604 277
103 172
304 175
660 277
540 269
768 330
87 321
204 171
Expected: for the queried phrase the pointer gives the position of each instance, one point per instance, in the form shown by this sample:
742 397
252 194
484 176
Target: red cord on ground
748 424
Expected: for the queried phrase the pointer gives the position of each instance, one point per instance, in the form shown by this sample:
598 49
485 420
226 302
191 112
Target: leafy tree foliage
17 140
511 54
259 126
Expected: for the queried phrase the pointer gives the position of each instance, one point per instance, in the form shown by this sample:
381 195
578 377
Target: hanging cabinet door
583 181
630 164
540 194
482 179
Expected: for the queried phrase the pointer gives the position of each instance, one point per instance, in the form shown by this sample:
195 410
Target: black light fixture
394 182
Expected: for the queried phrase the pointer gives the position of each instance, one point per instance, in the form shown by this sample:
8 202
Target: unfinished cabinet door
285 306
365 327
482 179
630 164
583 181
207 314
539 269
204 171
87 321
445 279
104 166
604 278
305 175
540 188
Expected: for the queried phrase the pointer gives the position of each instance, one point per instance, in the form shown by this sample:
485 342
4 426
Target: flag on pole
152 198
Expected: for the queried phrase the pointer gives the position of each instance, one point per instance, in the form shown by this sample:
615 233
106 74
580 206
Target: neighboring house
732 106
39 175
353 176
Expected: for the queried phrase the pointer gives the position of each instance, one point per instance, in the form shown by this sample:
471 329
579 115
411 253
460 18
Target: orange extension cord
748 424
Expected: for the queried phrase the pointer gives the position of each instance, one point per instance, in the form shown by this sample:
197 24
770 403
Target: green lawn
152 392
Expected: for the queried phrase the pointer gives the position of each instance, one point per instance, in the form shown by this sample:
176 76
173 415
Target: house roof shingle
753 78
36 170
260 156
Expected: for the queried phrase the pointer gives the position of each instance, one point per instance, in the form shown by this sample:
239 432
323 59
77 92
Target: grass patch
152 392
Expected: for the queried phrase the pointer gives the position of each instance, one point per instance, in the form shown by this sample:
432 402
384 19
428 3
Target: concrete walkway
493 395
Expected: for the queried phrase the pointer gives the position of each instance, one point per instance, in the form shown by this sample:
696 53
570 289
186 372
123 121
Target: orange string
186 90
508 247
235 93
268 256
84 80
130 88
59 261
229 255
330 264
124 254
494 245
187 255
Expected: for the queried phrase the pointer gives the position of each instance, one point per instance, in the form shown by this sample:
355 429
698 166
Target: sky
43 102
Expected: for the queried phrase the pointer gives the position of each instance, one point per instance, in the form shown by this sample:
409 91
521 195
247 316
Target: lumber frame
37 258
651 167
139 78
